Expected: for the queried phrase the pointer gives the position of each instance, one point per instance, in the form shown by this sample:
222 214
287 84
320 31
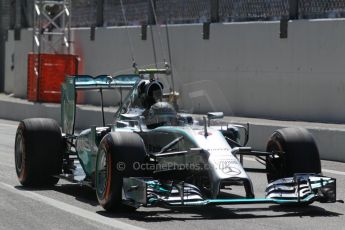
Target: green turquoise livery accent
236 201
87 150
105 81
257 200
156 186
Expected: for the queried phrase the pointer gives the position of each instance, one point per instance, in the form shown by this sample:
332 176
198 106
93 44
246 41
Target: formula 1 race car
154 154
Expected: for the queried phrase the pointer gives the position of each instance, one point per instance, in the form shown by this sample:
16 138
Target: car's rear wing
86 82
105 81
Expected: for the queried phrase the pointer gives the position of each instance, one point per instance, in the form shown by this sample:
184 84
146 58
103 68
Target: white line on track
333 172
323 170
9 125
70 208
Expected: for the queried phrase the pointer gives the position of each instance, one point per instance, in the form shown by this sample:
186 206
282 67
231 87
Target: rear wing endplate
86 82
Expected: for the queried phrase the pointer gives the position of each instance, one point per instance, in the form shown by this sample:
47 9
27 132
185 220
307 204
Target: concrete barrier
329 137
19 109
244 69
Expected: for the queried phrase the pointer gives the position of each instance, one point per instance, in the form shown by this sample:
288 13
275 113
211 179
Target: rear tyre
38 152
296 153
118 155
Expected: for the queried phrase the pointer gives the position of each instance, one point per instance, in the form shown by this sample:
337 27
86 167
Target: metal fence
136 12
183 11
321 9
86 13
83 13
5 13
247 10
140 12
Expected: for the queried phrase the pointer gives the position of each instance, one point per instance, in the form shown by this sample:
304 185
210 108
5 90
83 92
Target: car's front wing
302 188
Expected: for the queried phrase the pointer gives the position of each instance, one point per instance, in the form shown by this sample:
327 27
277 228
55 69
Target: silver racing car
155 153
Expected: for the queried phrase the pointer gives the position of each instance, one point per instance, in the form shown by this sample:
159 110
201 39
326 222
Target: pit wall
244 69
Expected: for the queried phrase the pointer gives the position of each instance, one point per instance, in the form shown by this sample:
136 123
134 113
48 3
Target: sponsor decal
218 149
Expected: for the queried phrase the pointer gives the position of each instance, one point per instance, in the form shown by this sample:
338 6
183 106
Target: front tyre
296 152
38 152
117 153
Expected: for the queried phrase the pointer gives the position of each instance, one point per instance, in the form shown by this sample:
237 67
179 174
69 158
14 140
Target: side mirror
215 115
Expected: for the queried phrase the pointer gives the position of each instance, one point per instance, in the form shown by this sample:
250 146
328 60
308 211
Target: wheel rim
19 153
101 174
275 165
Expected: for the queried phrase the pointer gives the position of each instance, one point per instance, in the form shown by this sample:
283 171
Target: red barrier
45 87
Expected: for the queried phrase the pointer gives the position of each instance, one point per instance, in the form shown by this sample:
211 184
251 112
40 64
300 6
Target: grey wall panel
9 63
245 69
21 51
2 59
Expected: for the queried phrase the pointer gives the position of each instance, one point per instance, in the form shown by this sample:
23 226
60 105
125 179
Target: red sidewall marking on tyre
23 172
109 165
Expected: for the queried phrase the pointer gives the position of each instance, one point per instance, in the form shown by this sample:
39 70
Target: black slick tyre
38 152
118 153
296 152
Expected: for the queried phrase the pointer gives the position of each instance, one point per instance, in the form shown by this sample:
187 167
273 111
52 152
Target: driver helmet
150 93
161 114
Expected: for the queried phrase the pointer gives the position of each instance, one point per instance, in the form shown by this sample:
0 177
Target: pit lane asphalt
70 206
